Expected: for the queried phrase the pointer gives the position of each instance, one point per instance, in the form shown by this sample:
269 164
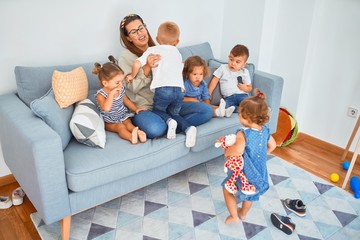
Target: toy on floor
345 165
355 186
334 177
236 165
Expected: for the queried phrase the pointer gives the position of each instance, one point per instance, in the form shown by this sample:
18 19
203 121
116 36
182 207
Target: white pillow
87 125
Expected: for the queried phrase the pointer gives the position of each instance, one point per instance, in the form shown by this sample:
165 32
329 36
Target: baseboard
8 179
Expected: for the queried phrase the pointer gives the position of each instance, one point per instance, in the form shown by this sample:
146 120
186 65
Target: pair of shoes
296 206
283 223
18 196
5 202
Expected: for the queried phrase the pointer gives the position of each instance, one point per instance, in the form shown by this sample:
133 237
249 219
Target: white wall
43 33
312 44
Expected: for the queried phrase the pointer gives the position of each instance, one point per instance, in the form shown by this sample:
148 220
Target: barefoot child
253 142
112 102
196 90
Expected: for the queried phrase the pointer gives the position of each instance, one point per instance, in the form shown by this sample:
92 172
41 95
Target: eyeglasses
135 32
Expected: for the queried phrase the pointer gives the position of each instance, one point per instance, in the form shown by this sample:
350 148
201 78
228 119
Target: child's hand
140 109
153 60
241 86
129 78
115 92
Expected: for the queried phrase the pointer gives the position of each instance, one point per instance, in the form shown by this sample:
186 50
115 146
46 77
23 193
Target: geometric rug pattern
190 205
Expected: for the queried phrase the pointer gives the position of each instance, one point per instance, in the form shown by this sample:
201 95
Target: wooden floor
309 153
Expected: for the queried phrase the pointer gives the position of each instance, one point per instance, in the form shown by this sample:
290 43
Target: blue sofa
62 182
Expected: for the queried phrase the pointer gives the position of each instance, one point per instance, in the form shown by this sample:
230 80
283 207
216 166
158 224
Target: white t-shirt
228 80
169 71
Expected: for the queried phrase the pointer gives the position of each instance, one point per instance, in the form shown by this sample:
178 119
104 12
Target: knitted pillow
70 87
87 125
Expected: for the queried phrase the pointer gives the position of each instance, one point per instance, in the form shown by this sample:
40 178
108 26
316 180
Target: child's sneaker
296 206
171 133
190 137
283 223
229 111
18 196
5 202
220 111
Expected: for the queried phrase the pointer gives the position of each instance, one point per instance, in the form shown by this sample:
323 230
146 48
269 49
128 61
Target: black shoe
296 206
283 223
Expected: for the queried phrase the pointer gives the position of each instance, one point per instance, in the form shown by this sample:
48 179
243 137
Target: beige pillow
70 87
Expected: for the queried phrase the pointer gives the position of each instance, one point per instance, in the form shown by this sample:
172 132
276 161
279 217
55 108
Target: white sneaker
5 202
18 196
171 133
220 111
190 137
229 111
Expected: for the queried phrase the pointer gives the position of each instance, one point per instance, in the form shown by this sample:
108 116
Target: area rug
190 205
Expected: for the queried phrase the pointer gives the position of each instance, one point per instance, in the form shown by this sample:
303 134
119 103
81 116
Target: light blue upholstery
34 82
61 182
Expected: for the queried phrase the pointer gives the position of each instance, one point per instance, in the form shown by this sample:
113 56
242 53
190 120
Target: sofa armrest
33 152
272 86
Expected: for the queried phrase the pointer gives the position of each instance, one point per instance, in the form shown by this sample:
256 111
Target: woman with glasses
136 39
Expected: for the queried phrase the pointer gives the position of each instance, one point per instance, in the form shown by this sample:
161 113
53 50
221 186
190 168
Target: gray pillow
57 118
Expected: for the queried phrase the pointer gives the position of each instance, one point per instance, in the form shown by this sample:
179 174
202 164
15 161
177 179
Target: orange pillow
70 87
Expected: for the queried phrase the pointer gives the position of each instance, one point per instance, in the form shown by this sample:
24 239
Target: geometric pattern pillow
70 87
87 125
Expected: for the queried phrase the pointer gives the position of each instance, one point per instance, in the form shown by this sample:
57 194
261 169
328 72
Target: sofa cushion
208 133
203 50
34 82
87 168
87 125
69 87
57 118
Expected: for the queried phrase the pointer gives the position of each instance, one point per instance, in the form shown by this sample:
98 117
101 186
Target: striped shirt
118 112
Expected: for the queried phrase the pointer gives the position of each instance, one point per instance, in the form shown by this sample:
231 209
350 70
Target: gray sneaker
283 223
296 206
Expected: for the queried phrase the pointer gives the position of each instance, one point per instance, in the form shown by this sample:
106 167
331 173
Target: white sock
171 133
220 111
190 136
229 111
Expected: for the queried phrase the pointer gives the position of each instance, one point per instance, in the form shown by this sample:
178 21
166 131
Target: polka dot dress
254 156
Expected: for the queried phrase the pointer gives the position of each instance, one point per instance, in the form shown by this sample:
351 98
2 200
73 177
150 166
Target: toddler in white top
167 83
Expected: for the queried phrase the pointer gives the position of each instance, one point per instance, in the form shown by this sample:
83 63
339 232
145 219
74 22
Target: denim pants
167 104
235 100
195 113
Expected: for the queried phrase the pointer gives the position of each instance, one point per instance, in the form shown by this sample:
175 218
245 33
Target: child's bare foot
134 135
230 219
142 136
241 214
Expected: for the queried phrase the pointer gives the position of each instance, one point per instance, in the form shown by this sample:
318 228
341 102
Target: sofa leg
65 224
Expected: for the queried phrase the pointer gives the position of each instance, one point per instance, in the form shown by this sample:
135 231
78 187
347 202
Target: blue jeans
235 100
195 113
167 104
